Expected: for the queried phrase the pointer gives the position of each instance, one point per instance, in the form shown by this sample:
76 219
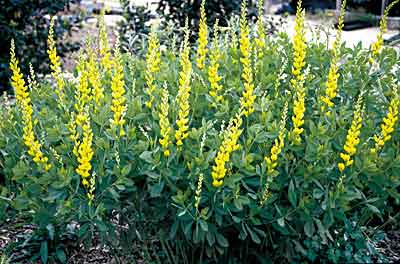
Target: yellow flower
55 62
278 144
104 48
82 93
184 91
118 102
94 79
388 122
331 83
203 34
153 60
229 145
84 155
352 137
260 40
165 127
248 98
213 76
24 102
299 47
376 47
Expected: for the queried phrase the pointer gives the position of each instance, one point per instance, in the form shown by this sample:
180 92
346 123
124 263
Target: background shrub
27 23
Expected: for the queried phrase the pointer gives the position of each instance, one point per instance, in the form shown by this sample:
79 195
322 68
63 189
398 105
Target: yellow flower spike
229 145
24 102
203 37
153 60
331 83
248 98
260 40
299 47
165 127
184 90
104 49
376 47
388 123
197 197
352 137
84 155
279 143
94 79
83 94
213 76
118 102
55 62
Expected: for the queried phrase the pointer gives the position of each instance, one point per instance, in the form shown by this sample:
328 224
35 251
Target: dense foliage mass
251 148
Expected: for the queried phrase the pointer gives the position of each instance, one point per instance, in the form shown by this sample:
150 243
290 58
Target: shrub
277 148
25 21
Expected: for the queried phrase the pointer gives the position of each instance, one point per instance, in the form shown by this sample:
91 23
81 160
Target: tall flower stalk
104 48
203 37
299 47
184 91
94 78
24 102
248 97
213 76
260 39
377 46
165 127
333 75
228 146
388 123
352 137
272 159
153 60
118 102
55 62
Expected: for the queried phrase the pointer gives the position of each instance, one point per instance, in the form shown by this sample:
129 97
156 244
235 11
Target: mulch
15 233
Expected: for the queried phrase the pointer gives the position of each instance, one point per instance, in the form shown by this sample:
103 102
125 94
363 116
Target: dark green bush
27 21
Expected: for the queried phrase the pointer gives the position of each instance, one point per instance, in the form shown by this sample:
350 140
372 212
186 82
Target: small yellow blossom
184 90
333 75
165 127
388 123
118 103
203 35
352 137
248 97
229 145
213 76
55 62
24 102
153 60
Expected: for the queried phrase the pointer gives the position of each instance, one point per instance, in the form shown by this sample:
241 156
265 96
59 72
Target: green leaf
61 255
222 241
203 225
44 252
309 228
